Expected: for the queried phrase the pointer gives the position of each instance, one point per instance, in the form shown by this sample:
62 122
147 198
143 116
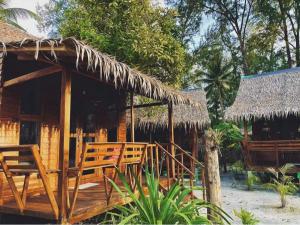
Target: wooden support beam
146 105
132 116
65 114
61 48
171 136
245 130
33 75
194 147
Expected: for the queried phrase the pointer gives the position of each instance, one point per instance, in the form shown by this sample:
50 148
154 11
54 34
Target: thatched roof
98 65
10 33
185 116
267 95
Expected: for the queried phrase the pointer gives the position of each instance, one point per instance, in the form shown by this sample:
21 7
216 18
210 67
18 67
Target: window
30 99
30 106
29 132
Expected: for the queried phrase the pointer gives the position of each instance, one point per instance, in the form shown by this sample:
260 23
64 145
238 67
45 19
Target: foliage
159 208
282 183
251 179
134 31
247 218
237 167
230 142
10 15
231 135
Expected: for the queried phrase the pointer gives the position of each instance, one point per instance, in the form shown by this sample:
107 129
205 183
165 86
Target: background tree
134 31
216 75
237 16
10 15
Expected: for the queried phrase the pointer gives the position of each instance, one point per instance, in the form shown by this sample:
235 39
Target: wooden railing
277 148
25 160
161 160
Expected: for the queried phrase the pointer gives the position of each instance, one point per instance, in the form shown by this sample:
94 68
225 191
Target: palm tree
217 77
10 15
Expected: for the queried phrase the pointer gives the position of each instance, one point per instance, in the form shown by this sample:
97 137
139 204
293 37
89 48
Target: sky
29 24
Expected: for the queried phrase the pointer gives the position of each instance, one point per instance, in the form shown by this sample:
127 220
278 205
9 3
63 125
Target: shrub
247 218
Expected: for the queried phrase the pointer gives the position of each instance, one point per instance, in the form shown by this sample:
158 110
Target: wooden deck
91 202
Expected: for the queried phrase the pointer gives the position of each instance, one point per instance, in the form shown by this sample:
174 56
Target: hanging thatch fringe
266 96
107 68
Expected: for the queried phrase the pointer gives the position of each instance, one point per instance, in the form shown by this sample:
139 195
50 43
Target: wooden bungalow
269 104
189 123
63 128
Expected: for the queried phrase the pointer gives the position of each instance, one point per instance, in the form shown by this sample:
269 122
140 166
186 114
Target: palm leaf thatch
185 116
266 96
11 33
101 66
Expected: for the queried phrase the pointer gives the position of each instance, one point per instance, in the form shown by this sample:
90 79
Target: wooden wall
86 95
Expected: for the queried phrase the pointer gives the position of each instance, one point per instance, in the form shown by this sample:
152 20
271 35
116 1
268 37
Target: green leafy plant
251 179
247 218
157 207
230 141
282 183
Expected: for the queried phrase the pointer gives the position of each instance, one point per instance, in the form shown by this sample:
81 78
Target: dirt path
263 204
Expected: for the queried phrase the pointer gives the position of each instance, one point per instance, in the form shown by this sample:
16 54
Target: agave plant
282 183
157 207
246 217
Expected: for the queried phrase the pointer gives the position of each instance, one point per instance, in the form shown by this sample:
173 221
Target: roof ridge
272 73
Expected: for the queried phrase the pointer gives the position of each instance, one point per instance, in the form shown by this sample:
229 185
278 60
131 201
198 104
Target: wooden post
245 130
171 136
194 147
213 181
132 116
245 144
64 141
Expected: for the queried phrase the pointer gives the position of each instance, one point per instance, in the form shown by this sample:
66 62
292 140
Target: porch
273 153
95 196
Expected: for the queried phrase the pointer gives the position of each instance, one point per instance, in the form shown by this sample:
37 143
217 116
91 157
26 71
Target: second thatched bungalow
269 103
189 123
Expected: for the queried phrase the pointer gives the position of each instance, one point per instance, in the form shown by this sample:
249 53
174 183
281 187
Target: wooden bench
25 161
108 156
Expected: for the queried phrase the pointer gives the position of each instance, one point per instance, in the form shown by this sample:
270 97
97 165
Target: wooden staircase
170 168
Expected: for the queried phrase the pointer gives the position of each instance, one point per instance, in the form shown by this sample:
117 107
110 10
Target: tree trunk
244 58
213 181
285 33
283 201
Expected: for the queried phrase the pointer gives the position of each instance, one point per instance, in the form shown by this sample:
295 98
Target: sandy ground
265 205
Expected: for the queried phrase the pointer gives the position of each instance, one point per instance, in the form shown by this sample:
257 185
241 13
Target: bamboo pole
171 136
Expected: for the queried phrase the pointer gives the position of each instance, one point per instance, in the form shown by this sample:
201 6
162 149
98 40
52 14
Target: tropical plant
247 218
282 183
10 15
230 141
251 179
161 208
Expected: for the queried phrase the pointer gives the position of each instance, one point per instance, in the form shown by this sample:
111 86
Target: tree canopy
133 31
